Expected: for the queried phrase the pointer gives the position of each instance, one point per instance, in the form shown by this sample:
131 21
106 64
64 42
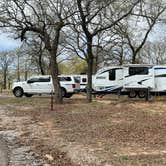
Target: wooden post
52 106
147 94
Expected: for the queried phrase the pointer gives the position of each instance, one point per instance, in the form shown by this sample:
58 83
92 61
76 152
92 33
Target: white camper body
130 78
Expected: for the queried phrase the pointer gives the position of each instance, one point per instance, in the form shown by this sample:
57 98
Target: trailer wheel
141 94
132 94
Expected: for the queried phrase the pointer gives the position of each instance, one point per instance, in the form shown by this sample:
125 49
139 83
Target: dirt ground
109 131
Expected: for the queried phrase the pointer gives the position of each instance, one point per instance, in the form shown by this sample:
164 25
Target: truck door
39 85
44 85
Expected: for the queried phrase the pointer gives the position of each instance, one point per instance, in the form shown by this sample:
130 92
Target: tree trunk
52 47
134 58
54 73
95 64
26 72
5 77
54 65
90 70
89 88
40 64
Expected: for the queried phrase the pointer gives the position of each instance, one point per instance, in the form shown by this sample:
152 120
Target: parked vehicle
83 78
44 85
131 79
83 81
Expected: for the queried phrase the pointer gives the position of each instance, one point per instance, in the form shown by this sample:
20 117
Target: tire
63 91
68 95
84 90
28 95
18 92
141 94
132 94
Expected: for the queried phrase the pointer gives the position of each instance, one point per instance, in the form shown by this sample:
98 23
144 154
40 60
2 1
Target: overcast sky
7 43
159 33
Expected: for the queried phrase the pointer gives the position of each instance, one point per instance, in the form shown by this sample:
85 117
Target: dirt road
3 153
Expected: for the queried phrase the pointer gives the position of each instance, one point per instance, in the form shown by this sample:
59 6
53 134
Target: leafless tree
37 55
5 62
95 17
137 27
154 53
44 19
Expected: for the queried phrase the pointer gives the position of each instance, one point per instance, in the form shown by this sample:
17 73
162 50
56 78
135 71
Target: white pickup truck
44 85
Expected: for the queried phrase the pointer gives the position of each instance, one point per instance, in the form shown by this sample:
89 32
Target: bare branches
137 27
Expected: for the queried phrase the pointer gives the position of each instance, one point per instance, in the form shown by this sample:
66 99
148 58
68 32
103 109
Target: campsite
82 83
109 131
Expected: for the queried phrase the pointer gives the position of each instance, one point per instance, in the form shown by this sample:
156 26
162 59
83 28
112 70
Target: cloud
7 43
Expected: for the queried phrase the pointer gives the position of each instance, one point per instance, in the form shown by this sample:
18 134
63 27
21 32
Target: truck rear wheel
18 92
68 95
63 91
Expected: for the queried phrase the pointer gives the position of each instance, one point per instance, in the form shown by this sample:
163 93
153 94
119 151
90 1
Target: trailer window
138 71
112 74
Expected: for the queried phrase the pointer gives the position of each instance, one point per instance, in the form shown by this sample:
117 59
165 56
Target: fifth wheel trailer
134 79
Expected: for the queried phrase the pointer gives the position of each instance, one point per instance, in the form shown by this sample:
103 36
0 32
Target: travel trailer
134 80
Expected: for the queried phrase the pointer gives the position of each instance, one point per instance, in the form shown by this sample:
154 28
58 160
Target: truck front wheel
18 92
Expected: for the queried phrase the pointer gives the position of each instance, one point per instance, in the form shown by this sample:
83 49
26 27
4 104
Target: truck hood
19 83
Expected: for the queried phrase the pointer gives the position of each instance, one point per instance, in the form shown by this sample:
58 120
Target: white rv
132 79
